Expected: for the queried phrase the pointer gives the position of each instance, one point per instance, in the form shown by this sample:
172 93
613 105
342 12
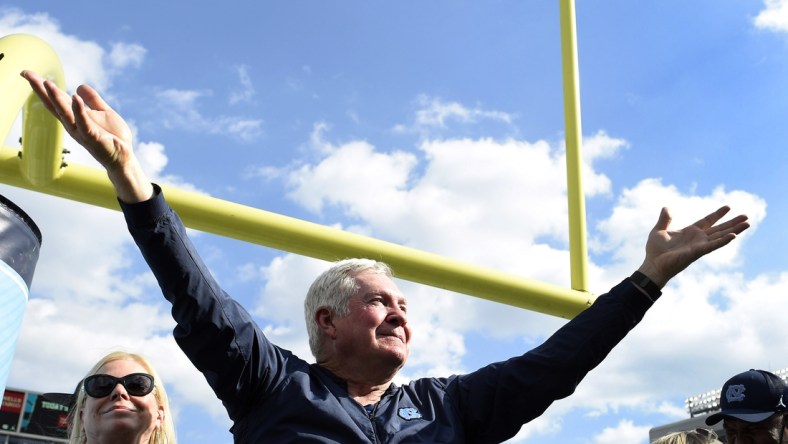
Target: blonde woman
121 401
697 436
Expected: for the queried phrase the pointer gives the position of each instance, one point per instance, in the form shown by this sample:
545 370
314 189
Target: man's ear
324 318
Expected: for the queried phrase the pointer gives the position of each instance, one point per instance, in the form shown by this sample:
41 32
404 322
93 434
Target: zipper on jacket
371 417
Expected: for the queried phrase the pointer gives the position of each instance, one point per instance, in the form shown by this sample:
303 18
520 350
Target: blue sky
437 125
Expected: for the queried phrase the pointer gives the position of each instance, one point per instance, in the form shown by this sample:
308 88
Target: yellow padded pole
90 185
578 250
42 139
38 166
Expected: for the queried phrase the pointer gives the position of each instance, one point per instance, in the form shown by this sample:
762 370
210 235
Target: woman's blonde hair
697 436
165 434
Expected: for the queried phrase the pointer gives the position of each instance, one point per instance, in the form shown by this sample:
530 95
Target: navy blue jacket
272 396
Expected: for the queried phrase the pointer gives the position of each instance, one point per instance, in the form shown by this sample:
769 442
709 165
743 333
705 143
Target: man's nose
397 316
739 438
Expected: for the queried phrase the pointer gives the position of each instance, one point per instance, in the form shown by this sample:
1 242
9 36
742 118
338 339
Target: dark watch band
646 284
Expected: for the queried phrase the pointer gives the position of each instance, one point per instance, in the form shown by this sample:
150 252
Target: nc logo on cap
735 393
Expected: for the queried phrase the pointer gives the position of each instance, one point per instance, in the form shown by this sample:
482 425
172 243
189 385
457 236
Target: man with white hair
358 325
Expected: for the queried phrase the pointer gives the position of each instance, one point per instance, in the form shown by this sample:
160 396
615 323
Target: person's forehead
377 283
122 367
765 425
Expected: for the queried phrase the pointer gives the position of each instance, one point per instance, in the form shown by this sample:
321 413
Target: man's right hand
96 126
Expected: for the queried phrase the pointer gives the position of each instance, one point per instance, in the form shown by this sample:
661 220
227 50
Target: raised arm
215 332
102 131
497 399
669 252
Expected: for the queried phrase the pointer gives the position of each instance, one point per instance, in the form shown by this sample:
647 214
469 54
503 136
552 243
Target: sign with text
11 410
30 413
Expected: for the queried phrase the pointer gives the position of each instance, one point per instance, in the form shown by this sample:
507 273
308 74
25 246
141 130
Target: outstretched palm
88 119
103 131
668 252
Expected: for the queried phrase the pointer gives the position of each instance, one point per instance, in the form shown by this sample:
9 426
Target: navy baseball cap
751 396
66 399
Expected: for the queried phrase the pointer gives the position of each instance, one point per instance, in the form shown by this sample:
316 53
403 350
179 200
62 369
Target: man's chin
398 357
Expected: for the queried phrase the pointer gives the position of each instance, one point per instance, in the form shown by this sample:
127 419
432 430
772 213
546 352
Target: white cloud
434 112
126 55
247 90
638 208
181 99
282 280
598 146
381 174
88 62
317 141
180 110
625 431
294 84
82 61
774 17
153 160
523 184
243 129
601 146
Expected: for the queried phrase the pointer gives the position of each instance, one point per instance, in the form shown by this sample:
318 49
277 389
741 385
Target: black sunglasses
136 384
706 435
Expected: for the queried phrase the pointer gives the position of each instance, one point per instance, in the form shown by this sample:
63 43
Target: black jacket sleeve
216 333
499 398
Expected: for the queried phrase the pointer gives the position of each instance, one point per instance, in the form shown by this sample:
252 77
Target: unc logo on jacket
409 413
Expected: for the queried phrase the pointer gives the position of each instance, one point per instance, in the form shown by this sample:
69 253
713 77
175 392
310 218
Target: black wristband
647 285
